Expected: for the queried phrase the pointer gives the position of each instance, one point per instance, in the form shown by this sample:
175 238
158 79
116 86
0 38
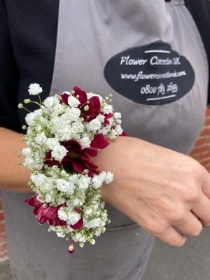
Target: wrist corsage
62 136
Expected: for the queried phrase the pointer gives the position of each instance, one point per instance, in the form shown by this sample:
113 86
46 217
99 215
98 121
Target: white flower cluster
78 195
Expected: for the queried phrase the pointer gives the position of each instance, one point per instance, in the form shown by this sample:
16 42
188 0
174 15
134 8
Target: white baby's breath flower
64 133
73 217
109 177
77 237
95 124
62 185
101 118
76 202
63 213
34 89
84 182
51 101
97 180
27 152
118 130
85 142
73 114
30 119
49 198
117 115
40 138
58 109
60 234
39 180
107 108
112 134
59 152
51 143
73 101
77 127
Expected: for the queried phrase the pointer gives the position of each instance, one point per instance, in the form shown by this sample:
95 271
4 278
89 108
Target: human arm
13 177
159 189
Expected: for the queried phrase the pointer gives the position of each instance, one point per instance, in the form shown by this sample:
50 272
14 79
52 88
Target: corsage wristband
62 136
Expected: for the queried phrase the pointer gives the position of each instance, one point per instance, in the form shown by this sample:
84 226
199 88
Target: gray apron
91 35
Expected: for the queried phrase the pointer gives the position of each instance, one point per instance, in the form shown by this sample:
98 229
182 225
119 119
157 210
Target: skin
163 191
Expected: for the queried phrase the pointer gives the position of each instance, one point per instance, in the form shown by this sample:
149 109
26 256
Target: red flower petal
78 225
88 152
99 142
64 98
82 96
124 133
78 165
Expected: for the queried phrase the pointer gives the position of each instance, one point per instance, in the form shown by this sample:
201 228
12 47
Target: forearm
13 177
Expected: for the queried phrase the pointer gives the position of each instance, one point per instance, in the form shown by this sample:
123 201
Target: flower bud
20 105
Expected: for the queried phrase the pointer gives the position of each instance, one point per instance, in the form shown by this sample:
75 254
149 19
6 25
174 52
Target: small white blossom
73 217
59 152
112 134
60 234
77 127
30 119
40 138
101 118
97 180
77 237
63 213
61 200
39 180
107 108
58 109
117 115
94 125
27 152
50 102
73 114
51 143
76 202
64 133
84 182
49 198
118 130
109 177
62 185
34 89
73 101
85 142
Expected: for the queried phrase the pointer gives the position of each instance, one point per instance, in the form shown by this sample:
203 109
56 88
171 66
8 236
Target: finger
202 210
172 237
155 224
190 226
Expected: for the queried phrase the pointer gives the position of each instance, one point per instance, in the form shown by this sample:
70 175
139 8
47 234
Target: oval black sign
153 74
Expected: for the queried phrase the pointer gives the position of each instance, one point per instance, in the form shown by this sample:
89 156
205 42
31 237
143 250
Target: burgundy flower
49 160
107 117
64 98
79 159
45 213
93 104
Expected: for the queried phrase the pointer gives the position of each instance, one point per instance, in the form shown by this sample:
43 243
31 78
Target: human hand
165 192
